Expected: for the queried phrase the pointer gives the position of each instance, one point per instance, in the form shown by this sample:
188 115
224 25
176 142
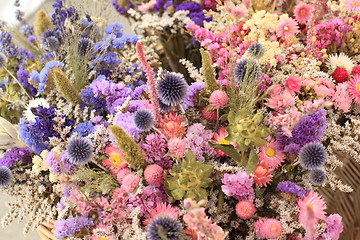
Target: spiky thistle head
79 150
164 227
256 50
172 88
5 176
85 46
246 70
144 120
317 176
312 155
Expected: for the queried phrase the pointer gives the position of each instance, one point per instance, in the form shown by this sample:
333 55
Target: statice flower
238 186
69 227
23 77
193 89
95 103
15 154
58 162
41 77
154 148
197 139
126 121
84 129
310 129
196 13
290 187
11 50
334 226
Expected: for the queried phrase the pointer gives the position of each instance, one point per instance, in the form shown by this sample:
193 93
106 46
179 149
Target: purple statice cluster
196 13
309 129
58 163
197 139
94 103
61 14
41 77
24 77
83 129
192 91
36 134
154 148
13 51
126 121
69 227
334 227
115 94
13 155
238 186
290 187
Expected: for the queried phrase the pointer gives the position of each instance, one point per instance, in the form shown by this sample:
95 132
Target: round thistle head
163 106
3 59
256 50
5 176
317 176
312 155
51 43
79 150
172 89
144 120
246 70
164 227
85 45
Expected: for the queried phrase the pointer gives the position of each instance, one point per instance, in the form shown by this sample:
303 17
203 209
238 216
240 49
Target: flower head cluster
238 186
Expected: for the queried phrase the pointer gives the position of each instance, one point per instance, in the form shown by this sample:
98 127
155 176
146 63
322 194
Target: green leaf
228 149
252 162
177 193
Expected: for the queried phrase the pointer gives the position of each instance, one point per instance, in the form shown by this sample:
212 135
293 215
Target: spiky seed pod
246 70
144 120
256 50
79 150
3 59
64 85
5 176
163 107
208 72
312 155
164 227
317 176
85 45
133 154
42 23
172 89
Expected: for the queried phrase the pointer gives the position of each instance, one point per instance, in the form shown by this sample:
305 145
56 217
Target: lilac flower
154 148
126 121
309 129
58 164
197 139
69 227
196 12
290 187
15 154
193 89
23 77
334 227
238 186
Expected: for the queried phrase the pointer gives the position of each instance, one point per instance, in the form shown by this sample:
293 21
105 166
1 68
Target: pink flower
275 89
341 98
219 137
209 115
352 6
245 209
281 102
177 146
354 89
147 6
293 84
172 126
161 209
286 28
302 12
271 155
153 174
333 226
262 175
218 99
317 205
130 182
236 11
268 228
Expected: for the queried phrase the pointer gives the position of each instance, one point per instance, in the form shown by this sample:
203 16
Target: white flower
34 104
9 136
340 60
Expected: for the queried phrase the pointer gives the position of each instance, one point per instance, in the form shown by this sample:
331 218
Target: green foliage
189 179
12 93
64 85
133 154
95 183
208 72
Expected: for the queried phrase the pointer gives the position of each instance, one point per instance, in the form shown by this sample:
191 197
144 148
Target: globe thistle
51 43
164 227
246 70
144 120
85 45
163 107
172 89
5 176
3 59
79 150
312 155
317 176
256 50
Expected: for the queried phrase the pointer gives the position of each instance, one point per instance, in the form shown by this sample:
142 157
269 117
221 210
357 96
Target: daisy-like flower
271 155
314 202
219 137
341 60
34 104
262 175
286 28
302 12
354 89
352 6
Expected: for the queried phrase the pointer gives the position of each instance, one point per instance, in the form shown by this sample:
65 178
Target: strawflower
302 12
262 175
287 27
271 155
354 89
352 6
316 203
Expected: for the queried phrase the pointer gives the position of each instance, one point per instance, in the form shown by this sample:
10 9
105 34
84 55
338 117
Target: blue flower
317 176
79 150
84 129
256 50
144 120
164 227
5 176
246 70
312 155
172 89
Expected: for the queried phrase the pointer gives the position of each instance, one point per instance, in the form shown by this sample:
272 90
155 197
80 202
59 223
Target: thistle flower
144 120
85 45
164 227
317 176
3 59
79 150
246 70
5 176
172 89
312 155
256 50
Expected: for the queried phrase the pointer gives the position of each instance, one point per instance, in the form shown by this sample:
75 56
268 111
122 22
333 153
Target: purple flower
193 89
23 77
69 227
334 227
238 186
290 187
197 139
15 154
196 13
58 164
154 148
126 121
